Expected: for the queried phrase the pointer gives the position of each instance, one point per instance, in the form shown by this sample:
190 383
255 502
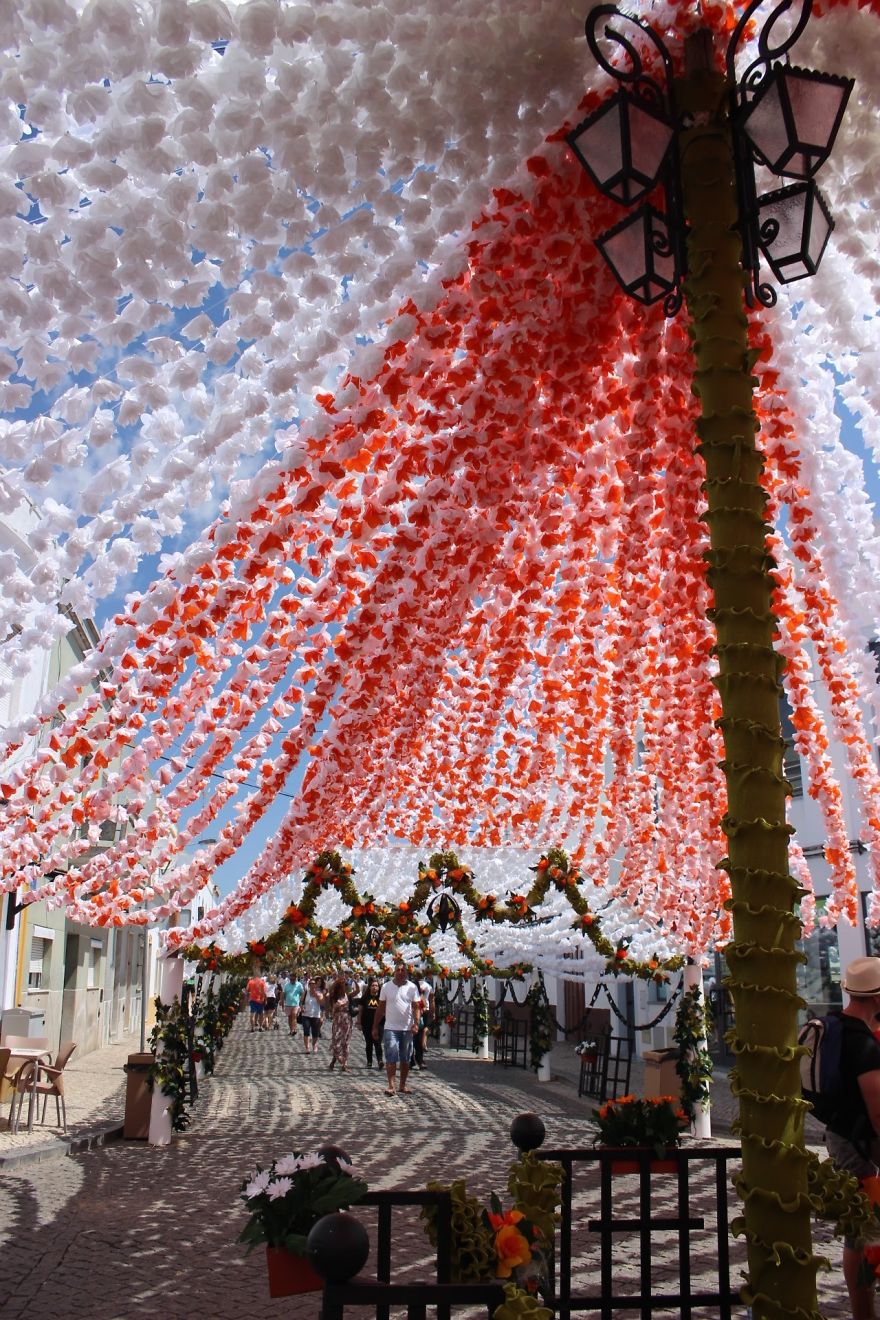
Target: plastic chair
22 1085
54 1085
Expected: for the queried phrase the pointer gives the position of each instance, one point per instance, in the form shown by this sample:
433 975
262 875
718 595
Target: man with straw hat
853 1135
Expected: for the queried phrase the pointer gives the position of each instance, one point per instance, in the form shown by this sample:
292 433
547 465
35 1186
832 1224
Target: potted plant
285 1201
588 1052
652 1123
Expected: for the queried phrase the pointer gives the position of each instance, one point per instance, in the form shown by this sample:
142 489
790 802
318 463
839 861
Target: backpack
821 1080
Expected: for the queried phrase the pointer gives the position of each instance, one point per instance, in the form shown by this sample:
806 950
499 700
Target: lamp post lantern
717 229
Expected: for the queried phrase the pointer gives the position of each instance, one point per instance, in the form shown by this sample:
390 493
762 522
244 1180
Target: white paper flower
288 1164
280 1187
258 1184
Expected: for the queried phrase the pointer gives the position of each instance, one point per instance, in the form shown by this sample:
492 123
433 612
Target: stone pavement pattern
130 1230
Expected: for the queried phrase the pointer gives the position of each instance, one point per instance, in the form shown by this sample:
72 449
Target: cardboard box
660 1075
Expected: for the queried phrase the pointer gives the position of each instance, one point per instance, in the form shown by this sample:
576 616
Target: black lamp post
785 120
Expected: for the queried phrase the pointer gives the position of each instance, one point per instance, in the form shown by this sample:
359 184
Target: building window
872 933
791 761
94 965
38 966
819 976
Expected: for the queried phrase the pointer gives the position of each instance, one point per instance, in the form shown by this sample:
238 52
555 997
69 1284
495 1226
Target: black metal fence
461 1033
381 1292
511 1039
605 1069
645 1217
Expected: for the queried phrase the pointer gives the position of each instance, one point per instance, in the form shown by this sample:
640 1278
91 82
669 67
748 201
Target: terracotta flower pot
668 1164
290 1274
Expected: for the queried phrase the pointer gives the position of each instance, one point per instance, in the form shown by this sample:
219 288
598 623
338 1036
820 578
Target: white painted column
160 1111
693 976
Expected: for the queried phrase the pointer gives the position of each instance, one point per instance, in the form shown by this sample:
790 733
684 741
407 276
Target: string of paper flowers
468 603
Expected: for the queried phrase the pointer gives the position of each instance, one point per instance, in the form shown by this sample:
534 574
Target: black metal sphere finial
338 1246
527 1132
332 1155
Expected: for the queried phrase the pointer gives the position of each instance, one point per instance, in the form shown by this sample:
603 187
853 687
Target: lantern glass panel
650 137
817 107
793 228
821 225
639 254
793 122
622 147
765 125
598 143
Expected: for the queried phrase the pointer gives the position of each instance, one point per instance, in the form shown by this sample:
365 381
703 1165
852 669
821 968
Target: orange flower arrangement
514 1238
632 1120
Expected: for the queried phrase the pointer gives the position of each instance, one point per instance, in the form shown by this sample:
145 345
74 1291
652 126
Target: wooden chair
54 1083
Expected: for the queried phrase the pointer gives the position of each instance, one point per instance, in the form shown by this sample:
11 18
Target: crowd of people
393 1016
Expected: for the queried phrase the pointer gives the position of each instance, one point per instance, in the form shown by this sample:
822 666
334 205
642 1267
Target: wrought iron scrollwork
768 49
641 81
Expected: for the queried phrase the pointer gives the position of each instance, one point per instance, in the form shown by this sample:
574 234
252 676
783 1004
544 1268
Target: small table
22 1054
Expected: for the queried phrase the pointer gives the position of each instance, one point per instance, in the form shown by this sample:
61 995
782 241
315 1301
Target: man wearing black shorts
852 1138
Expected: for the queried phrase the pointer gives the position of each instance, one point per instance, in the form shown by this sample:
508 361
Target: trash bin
660 1075
22 1022
138 1097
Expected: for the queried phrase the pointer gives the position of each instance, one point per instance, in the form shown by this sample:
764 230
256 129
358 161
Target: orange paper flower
512 1250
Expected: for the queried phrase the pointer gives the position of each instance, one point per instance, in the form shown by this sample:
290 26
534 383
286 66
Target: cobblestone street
130 1230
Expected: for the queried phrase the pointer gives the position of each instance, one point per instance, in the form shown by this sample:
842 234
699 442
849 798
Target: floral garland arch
409 924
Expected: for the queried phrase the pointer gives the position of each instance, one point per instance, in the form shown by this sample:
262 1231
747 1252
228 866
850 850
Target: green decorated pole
762 956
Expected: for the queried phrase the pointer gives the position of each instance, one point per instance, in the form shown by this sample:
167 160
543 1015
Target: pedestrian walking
366 1018
340 1022
397 1019
426 1017
293 995
310 1017
256 993
272 991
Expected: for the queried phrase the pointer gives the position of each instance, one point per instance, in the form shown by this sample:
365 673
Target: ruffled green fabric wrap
762 958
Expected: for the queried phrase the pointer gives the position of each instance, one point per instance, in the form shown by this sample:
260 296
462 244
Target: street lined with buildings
133 1230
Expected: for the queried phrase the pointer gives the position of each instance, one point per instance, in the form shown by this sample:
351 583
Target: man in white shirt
398 1018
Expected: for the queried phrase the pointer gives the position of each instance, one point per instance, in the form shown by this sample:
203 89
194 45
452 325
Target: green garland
694 1064
540 1024
480 1000
473 1251
170 1067
299 936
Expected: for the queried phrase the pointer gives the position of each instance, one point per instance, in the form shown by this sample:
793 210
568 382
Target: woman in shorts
310 1018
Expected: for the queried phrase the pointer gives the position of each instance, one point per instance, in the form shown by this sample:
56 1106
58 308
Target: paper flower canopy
463 600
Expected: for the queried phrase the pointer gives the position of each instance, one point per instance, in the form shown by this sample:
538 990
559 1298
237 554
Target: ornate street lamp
446 908
641 256
375 936
623 147
785 119
793 117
